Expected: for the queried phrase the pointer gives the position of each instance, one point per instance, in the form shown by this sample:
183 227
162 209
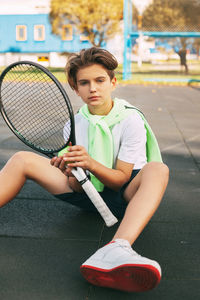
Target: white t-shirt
129 138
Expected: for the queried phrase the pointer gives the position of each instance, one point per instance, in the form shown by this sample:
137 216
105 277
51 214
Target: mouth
93 97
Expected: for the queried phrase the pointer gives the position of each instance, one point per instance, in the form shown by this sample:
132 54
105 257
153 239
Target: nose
92 87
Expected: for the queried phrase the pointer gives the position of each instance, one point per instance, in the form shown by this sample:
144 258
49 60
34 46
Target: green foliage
97 19
173 15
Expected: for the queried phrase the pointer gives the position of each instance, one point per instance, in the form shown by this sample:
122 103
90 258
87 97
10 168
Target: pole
127 16
140 41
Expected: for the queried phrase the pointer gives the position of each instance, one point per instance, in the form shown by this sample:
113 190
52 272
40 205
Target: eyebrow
99 77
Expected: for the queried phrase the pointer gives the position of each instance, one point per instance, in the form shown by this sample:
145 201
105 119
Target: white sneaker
117 266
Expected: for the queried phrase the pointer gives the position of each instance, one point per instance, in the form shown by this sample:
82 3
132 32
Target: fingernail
65 158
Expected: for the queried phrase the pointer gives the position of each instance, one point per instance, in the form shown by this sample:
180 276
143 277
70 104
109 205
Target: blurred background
156 41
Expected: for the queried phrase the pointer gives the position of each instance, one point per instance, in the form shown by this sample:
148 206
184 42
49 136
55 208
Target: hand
61 164
77 156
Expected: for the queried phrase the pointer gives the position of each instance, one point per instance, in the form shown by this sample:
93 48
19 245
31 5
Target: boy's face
94 86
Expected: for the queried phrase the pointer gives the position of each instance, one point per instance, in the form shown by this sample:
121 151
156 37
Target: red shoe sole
130 278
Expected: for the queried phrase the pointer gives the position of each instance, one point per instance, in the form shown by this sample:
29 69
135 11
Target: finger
80 164
57 162
75 148
62 165
75 154
52 161
77 158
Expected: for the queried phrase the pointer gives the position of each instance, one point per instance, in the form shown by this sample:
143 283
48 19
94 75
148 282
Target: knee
160 169
20 158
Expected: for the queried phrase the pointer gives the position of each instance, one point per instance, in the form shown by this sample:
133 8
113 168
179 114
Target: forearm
77 156
112 178
106 178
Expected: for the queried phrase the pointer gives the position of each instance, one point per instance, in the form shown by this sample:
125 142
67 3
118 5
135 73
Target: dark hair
88 57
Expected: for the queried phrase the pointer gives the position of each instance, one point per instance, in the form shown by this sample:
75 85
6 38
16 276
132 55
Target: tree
98 19
173 15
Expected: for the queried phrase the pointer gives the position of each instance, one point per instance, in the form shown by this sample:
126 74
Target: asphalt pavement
43 241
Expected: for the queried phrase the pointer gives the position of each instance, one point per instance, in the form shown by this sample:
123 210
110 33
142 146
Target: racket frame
72 137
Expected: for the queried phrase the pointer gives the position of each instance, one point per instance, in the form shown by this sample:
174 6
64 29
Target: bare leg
27 165
117 260
144 194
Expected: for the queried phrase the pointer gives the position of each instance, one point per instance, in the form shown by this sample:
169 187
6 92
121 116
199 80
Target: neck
101 110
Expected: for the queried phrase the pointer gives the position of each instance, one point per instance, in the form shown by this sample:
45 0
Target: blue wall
51 43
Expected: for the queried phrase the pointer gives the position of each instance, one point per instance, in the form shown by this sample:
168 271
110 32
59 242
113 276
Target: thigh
132 186
39 169
151 173
114 199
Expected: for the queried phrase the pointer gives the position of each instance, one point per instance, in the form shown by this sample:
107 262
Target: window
42 58
21 32
84 37
39 32
67 32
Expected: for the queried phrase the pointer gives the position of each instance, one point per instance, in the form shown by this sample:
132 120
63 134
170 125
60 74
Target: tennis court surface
43 241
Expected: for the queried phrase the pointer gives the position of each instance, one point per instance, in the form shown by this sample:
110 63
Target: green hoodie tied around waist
100 140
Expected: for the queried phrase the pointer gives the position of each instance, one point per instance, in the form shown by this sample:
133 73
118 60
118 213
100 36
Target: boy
111 147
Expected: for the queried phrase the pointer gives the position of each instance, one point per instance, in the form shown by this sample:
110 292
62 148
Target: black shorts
113 199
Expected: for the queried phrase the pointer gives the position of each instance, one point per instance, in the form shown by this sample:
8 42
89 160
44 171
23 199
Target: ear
77 93
114 83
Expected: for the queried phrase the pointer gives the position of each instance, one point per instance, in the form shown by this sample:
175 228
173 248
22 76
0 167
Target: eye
83 82
100 80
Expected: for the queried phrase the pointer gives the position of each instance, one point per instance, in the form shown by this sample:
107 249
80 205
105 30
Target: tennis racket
36 108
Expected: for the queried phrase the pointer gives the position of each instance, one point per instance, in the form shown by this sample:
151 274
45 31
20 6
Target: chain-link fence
168 45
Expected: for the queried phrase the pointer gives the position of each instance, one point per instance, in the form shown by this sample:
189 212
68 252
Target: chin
94 103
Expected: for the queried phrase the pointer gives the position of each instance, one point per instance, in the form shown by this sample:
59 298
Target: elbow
118 184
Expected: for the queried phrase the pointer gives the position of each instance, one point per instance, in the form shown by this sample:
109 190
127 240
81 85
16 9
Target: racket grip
95 197
99 203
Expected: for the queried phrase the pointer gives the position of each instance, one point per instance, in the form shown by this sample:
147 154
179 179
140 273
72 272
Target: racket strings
31 94
36 107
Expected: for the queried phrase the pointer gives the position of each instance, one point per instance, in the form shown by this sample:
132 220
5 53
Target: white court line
180 143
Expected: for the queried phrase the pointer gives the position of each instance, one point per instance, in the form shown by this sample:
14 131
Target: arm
113 178
78 157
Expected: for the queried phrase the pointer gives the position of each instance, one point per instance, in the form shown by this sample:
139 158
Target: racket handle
95 197
98 202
